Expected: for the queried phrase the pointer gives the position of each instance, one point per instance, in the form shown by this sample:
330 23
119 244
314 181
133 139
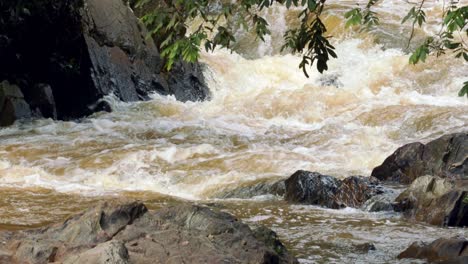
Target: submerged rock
129 233
255 190
443 250
436 201
445 157
314 188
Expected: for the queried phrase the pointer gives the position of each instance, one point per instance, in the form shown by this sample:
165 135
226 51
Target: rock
88 49
435 201
445 157
356 190
129 233
185 75
42 101
12 104
195 234
112 252
122 61
317 189
312 188
101 106
443 250
271 240
381 202
255 189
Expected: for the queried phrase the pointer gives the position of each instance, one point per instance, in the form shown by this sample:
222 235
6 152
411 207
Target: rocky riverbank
58 60
129 233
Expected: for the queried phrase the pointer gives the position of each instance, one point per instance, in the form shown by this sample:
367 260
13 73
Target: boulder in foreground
129 233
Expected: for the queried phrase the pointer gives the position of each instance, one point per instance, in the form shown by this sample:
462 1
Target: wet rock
88 49
354 191
42 101
12 104
312 188
435 201
101 106
445 157
185 75
381 202
122 61
125 62
443 250
255 189
128 233
317 189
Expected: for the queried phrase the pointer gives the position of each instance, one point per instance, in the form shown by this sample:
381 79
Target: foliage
169 22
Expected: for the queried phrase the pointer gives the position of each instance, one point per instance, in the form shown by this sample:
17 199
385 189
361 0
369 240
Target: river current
265 120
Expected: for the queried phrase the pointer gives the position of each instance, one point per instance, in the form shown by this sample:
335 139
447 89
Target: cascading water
265 121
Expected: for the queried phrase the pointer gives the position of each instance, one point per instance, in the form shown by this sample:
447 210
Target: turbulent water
265 121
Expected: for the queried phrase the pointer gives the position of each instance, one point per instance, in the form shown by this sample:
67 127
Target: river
265 120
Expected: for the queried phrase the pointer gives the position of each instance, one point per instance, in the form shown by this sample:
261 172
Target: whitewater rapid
265 120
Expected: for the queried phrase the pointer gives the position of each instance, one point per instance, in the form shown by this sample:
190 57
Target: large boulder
445 157
443 250
129 233
84 50
314 188
12 104
123 60
436 201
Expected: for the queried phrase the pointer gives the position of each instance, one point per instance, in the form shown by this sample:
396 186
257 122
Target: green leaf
464 90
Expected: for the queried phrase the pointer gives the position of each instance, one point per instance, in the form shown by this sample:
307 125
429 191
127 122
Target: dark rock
185 75
443 250
445 157
317 189
356 190
128 233
122 61
436 201
85 50
42 101
101 106
12 104
312 188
